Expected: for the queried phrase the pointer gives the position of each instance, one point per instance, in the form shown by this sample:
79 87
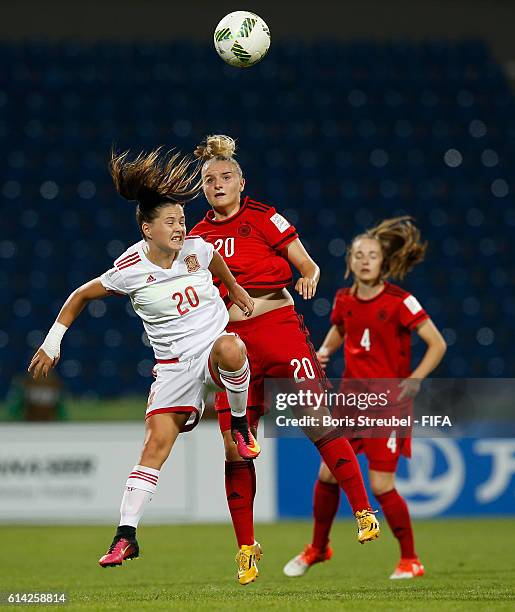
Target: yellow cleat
246 560
368 526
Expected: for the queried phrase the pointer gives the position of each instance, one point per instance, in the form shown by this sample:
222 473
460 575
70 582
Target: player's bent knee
378 491
230 352
317 433
381 482
324 475
231 451
231 454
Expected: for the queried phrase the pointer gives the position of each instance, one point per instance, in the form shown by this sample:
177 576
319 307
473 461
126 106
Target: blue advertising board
444 477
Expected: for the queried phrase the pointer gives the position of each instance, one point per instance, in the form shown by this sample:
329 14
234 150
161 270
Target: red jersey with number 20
250 242
377 331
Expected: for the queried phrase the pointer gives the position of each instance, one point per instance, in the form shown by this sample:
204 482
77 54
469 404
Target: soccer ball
242 39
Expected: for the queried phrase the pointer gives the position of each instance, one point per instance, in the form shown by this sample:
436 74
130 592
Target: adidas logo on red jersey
150 279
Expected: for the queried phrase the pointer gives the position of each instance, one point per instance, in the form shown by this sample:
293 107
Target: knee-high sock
341 460
326 499
395 510
237 387
139 489
240 487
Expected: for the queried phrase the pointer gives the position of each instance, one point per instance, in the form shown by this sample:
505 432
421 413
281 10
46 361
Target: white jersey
181 309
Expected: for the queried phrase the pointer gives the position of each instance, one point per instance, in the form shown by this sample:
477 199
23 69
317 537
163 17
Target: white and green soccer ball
242 39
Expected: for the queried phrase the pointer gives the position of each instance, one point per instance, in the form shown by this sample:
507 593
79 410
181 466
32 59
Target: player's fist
323 357
41 364
409 388
306 287
242 299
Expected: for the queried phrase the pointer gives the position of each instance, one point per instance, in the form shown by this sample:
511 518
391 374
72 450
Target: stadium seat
376 129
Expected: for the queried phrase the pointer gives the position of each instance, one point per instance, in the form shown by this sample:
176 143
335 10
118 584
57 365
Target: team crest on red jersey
192 263
244 230
382 315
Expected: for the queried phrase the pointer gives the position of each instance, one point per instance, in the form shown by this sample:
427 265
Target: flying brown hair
155 179
400 243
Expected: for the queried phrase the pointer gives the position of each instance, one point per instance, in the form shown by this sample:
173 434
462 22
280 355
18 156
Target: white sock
140 487
237 387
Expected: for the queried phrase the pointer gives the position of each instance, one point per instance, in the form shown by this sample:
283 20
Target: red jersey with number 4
250 242
377 331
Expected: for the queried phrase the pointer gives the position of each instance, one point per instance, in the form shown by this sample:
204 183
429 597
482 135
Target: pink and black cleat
120 550
247 445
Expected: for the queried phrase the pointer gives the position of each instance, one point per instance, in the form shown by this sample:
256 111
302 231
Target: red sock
326 499
341 460
240 487
395 510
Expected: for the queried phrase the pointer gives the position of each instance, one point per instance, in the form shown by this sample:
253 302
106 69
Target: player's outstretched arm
436 347
237 294
297 255
332 342
47 356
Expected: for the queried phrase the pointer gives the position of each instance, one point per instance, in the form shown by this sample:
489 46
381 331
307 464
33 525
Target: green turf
128 408
125 408
470 566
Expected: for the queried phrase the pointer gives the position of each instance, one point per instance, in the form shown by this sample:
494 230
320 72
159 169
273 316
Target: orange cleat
408 568
300 564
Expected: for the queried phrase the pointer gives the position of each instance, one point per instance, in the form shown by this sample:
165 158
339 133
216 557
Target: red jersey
377 331
250 243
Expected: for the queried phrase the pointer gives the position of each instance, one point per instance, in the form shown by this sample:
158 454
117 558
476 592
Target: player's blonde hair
400 244
155 179
217 147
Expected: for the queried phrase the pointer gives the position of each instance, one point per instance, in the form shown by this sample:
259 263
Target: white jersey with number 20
181 309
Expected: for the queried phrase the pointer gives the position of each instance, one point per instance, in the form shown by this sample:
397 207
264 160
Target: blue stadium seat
358 131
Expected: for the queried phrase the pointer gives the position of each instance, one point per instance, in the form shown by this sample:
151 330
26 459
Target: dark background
360 111
491 20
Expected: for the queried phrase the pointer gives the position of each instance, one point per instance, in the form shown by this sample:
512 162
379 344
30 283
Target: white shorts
181 386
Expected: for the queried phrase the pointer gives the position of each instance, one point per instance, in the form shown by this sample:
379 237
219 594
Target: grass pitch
470 566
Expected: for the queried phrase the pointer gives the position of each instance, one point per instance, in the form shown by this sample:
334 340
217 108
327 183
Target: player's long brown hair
400 244
217 147
155 179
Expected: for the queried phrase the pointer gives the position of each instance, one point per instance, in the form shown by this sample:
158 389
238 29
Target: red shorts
382 453
278 346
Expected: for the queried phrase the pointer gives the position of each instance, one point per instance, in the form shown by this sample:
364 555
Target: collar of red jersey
372 299
210 215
